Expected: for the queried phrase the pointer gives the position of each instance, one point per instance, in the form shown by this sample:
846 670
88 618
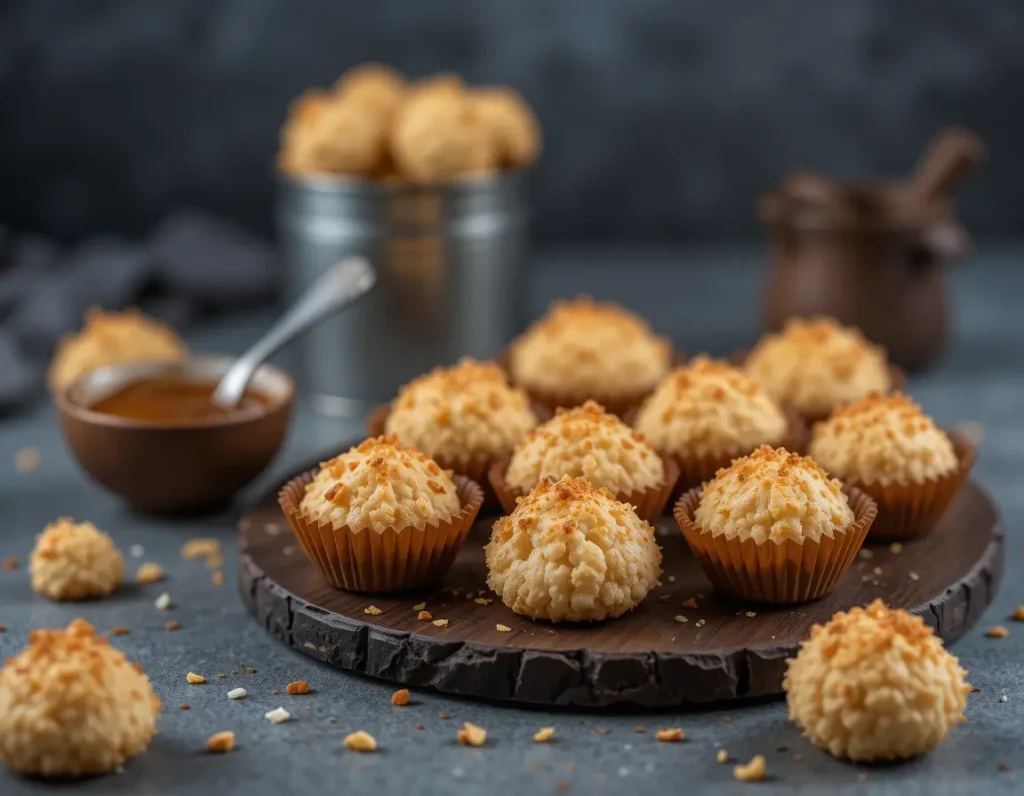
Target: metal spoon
338 287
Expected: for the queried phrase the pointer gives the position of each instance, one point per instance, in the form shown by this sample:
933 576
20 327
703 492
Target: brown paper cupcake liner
649 503
367 561
909 510
783 573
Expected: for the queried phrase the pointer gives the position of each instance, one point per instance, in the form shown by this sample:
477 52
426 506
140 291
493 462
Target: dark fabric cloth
191 265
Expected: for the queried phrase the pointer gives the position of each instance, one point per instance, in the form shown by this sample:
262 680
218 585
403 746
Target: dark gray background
664 118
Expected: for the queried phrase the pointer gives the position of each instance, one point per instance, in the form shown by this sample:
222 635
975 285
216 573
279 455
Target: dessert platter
501 534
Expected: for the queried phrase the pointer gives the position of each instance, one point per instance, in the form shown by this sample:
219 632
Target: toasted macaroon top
816 365
883 439
380 484
709 408
582 346
465 410
773 495
587 442
75 561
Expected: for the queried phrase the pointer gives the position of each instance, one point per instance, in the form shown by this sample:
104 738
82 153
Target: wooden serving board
646 658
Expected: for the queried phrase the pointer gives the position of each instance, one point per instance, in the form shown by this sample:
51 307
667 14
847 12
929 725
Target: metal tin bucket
450 262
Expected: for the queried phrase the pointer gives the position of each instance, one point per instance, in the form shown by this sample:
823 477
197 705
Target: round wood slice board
724 651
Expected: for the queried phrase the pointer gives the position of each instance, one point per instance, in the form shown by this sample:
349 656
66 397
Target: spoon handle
337 287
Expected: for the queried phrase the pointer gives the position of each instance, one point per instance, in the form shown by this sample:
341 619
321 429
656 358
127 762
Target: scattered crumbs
974 689
288 550
440 623
896 548
272 529
457 772
690 603
663 598
11 563
163 602
195 679
752 771
1002 698
456 592
277 716
670 734
400 698
298 687
424 616
544 734
726 719
1005 767
183 706
750 614
471 735
443 715
136 551
276 691
174 624
997 632
602 731
782 748
250 669
700 622
570 767
865 578
722 756
1018 614
865 553
221 742
503 628
914 576
217 578
639 728
222 677
532 768
418 727
3 627
119 631
680 619
877 570
623 771
150 572
561 785
332 719
671 578
26 460
200 548
372 610
798 758
215 562
482 600
419 606
237 693
360 741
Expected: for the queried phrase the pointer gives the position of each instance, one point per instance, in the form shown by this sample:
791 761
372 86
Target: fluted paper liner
367 561
778 573
649 503
909 510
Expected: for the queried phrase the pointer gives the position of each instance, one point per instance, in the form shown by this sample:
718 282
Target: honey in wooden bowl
168 400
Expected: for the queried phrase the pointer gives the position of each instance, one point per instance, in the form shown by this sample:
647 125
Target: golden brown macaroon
71 705
377 88
815 365
75 561
875 684
343 137
570 552
294 148
112 338
585 349
436 136
461 414
510 122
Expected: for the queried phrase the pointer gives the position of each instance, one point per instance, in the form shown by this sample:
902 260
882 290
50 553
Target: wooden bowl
169 469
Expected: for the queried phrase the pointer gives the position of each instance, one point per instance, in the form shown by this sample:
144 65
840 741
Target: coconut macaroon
377 88
464 416
774 527
888 447
112 338
875 684
71 705
571 552
816 365
75 561
510 122
584 349
381 517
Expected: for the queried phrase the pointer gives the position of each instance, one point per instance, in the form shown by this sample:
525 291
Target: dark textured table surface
706 300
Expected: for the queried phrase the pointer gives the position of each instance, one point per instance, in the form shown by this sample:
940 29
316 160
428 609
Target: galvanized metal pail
450 261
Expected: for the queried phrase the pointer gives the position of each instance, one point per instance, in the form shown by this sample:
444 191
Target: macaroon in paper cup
372 562
776 573
649 503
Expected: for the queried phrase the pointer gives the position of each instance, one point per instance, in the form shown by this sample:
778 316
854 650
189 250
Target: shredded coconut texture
875 684
588 347
590 443
380 484
815 365
71 705
773 495
570 552
112 338
883 439
709 408
75 561
467 409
